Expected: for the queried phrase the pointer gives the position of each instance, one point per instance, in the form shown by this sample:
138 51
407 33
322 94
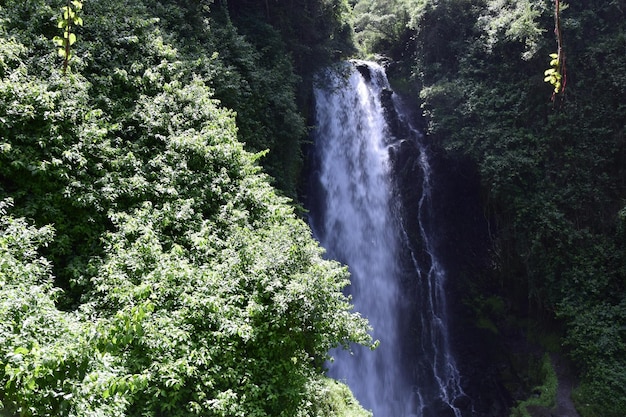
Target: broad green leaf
31 384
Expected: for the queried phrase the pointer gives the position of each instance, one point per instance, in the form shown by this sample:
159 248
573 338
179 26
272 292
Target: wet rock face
483 354
365 71
462 238
399 129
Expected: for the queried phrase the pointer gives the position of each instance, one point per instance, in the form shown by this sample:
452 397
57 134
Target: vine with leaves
556 75
68 21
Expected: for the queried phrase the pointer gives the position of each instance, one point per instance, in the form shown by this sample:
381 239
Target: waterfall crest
397 279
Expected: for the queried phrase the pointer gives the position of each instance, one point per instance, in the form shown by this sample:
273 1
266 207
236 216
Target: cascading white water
357 220
359 230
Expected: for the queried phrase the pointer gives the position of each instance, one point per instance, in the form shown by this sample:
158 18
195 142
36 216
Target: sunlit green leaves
553 75
69 17
378 25
506 20
44 353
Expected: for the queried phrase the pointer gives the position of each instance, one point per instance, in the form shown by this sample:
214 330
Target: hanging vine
68 21
556 74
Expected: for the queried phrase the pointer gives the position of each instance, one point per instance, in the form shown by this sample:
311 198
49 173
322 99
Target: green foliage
48 361
48 141
442 30
316 32
177 281
545 392
334 399
292 42
602 393
506 21
487 311
261 87
596 338
553 74
379 25
217 293
69 17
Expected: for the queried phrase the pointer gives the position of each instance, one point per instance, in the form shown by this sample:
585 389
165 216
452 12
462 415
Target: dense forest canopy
147 266
151 262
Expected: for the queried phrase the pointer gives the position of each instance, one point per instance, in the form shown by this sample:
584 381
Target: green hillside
147 265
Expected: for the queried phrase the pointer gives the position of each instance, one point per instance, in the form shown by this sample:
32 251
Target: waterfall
397 279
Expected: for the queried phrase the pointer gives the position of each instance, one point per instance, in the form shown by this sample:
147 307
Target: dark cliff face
461 241
464 244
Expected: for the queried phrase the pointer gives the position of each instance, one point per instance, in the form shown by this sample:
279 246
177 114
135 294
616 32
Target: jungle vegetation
152 259
151 262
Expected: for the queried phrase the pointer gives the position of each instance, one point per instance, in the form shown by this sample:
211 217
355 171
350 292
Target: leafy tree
513 21
293 40
177 281
50 365
379 25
